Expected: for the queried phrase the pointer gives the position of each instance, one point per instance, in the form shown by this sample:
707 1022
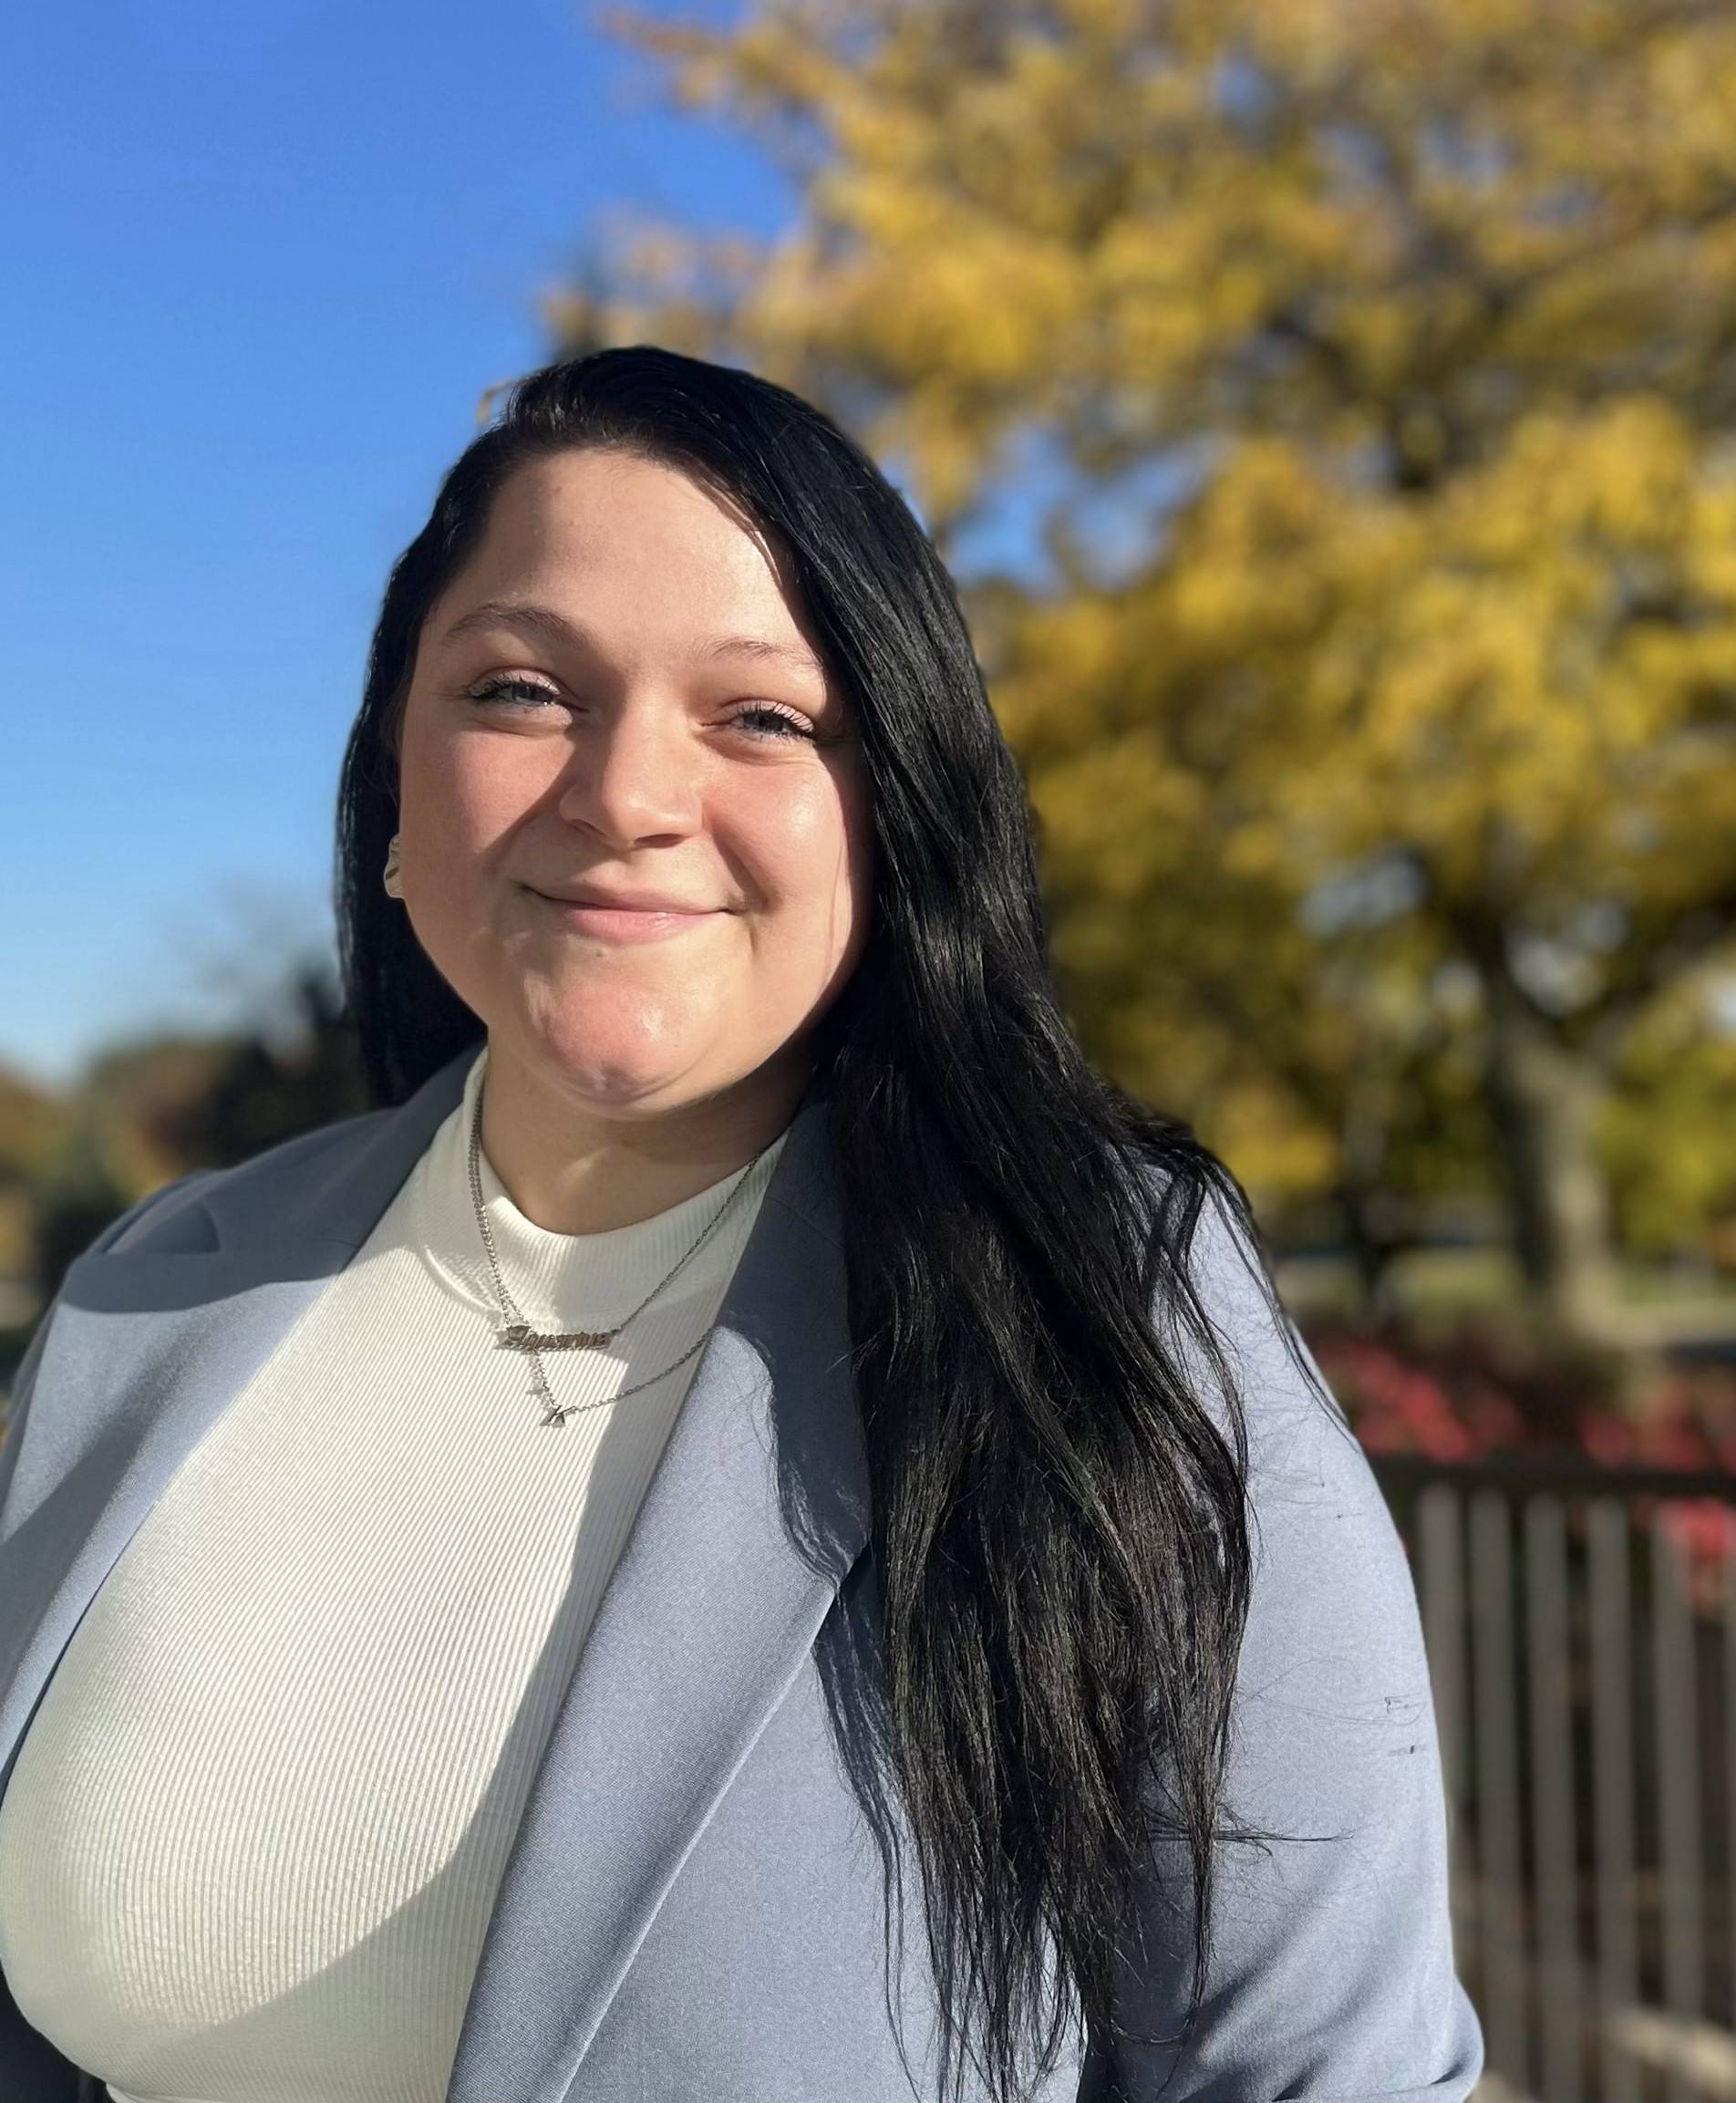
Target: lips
632 924
638 902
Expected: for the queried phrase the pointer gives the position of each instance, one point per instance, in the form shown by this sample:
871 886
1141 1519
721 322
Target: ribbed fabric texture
250 1845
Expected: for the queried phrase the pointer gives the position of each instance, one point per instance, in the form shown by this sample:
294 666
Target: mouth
612 923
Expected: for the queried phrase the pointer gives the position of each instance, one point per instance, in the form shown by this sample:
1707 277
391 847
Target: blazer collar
756 1511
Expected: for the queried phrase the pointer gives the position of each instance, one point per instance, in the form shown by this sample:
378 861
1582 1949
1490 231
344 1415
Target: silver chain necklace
517 1334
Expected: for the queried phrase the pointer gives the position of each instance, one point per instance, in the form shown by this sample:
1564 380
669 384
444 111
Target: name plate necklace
516 1334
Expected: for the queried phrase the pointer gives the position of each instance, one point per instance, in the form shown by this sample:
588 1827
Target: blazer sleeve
1332 1971
24 1379
31 2069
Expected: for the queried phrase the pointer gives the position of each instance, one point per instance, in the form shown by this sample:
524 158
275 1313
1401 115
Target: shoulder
1297 1432
1331 1577
175 1218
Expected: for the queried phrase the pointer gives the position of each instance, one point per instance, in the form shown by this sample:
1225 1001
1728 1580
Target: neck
572 1170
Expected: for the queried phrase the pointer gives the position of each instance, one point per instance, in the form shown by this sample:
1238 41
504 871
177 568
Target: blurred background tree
147 1112
1371 372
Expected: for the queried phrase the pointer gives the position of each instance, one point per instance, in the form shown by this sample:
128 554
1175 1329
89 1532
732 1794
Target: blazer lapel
756 1511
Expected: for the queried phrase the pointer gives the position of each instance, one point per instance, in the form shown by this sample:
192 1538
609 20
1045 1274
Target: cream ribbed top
250 1845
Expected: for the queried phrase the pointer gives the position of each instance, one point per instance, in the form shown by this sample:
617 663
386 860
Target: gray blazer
694 1910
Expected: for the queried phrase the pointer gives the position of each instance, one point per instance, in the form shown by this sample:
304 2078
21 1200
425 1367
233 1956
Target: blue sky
260 263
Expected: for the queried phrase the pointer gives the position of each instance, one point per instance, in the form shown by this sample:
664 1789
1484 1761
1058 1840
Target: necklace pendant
521 1336
556 1415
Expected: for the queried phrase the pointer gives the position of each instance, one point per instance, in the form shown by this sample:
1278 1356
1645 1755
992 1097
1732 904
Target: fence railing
1581 1629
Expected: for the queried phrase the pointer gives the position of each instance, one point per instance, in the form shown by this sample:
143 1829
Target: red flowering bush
1480 1391
1473 1391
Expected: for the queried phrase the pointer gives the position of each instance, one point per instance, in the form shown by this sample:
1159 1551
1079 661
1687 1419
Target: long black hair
1059 1535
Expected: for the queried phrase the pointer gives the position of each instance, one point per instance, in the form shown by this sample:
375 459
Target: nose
633 776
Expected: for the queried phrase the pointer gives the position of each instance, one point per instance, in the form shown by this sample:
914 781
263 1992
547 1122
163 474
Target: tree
152 1108
1384 761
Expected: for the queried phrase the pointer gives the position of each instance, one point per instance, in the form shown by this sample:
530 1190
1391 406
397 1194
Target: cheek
458 795
854 887
815 872
805 851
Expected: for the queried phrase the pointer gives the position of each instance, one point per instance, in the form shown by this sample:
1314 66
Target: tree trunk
1543 1099
1371 1241
1373 1228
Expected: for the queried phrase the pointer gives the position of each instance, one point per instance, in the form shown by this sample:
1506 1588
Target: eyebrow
545 621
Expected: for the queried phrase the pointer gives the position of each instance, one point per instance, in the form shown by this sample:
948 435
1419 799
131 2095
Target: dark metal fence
1581 1629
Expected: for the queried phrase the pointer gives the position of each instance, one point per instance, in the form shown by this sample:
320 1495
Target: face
618 700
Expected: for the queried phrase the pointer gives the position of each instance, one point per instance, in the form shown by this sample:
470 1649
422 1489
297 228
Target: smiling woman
616 738
945 1528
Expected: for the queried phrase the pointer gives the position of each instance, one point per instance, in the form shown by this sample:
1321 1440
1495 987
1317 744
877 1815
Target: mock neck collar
571 1280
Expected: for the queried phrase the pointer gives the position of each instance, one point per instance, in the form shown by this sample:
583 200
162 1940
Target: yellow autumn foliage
1389 787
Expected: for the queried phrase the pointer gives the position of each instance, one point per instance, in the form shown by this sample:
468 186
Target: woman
755 1530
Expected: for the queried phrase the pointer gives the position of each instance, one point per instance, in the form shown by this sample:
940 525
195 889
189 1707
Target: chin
629 1097
621 1085
620 1080
621 1058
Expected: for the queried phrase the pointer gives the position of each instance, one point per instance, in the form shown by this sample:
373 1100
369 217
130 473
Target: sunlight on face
617 696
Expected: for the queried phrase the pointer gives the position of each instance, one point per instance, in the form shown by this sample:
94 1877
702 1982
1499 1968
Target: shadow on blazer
702 1899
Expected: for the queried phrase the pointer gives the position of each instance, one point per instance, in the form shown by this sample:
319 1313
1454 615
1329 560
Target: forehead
596 531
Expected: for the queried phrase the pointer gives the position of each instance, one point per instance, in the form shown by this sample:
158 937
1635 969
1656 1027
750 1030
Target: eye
766 721
773 721
497 689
